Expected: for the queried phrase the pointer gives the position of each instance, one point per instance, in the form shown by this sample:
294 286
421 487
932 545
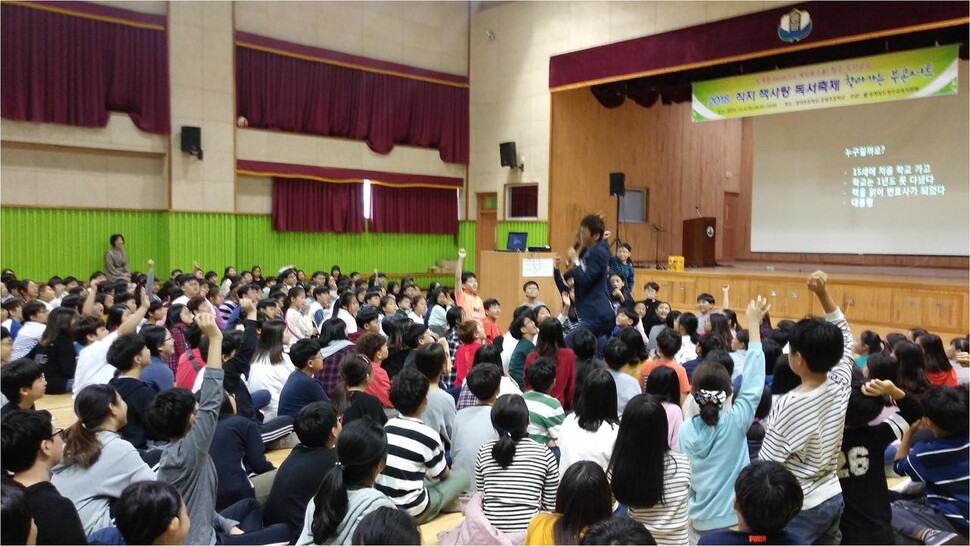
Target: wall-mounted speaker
508 155
617 184
192 140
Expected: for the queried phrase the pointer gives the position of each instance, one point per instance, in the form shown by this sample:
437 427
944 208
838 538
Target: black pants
250 517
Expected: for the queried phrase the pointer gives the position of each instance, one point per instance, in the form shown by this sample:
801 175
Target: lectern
699 238
502 274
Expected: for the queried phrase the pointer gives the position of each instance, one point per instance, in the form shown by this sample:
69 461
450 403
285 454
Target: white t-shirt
577 444
27 338
183 299
272 377
92 364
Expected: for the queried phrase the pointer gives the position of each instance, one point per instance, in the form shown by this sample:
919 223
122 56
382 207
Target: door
729 226
486 227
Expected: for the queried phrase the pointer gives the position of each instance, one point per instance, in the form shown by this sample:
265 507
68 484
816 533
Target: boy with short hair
617 355
35 322
31 447
299 477
625 318
320 308
22 382
531 291
493 310
669 343
705 304
473 425
301 388
466 291
373 347
414 453
129 355
941 463
545 412
368 320
432 361
807 423
766 497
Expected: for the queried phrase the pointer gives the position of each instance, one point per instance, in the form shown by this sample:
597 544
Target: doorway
486 226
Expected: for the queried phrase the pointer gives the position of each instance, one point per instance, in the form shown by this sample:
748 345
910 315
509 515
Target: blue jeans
820 525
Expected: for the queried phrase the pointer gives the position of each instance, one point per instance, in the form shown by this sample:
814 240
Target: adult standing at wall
116 260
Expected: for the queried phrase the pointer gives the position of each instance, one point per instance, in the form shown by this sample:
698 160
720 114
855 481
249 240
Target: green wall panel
538 232
38 243
466 240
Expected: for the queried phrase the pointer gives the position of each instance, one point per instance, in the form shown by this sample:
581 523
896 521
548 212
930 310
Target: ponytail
354 370
293 293
711 387
361 448
872 340
81 445
510 417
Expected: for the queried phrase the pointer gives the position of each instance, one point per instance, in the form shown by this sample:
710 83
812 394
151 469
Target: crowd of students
617 421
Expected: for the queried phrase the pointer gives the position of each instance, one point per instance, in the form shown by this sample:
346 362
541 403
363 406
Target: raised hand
756 311
817 282
207 323
247 305
462 254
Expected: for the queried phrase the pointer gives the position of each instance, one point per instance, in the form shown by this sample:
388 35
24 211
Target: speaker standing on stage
589 269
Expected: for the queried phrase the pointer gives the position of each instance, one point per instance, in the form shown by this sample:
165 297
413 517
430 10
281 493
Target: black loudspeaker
507 152
617 186
192 140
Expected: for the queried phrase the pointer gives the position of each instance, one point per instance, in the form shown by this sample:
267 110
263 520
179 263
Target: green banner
881 78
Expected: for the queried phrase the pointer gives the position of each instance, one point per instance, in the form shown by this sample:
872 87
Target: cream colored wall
509 75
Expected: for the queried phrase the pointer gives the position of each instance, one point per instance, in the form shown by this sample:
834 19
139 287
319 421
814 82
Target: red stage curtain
71 70
281 92
413 210
309 205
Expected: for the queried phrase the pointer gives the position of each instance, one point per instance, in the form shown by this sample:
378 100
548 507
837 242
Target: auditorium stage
883 299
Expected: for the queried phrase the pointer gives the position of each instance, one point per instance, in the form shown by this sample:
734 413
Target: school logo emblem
795 26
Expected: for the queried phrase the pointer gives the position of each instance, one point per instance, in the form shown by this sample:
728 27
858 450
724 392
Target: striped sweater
805 431
512 495
667 520
414 451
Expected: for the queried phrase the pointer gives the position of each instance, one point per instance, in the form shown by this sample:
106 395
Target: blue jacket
592 286
717 454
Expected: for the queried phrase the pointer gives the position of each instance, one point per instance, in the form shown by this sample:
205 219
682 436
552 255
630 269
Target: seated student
589 433
686 327
531 291
373 347
493 310
704 347
584 347
298 478
347 492
91 334
487 353
368 320
300 388
469 334
55 351
617 531
806 424
867 514
271 365
545 412
551 345
473 424
160 346
416 335
98 463
387 526
238 452
582 500
416 451
524 330
394 328
130 356
940 463
617 355
767 497
6 347
669 343
13 310
334 346
151 513
35 322
350 399
22 382
663 384
30 447
517 476
432 361
186 463
16 524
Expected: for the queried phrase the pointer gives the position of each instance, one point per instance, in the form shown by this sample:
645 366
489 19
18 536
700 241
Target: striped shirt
941 463
545 417
805 430
413 451
667 520
512 495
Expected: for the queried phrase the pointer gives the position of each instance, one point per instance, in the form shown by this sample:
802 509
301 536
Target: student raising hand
757 309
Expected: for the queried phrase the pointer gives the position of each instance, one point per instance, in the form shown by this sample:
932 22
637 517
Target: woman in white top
347 308
271 366
590 432
298 325
686 324
652 481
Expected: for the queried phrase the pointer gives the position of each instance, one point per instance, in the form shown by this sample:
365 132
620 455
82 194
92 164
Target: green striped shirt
545 416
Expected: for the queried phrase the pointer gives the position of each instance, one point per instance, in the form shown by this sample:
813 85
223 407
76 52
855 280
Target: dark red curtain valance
279 89
413 210
73 63
335 175
310 205
747 36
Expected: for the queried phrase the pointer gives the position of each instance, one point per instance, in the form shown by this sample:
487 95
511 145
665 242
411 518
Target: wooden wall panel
684 165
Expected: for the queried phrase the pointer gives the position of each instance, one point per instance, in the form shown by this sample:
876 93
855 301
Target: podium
699 238
502 274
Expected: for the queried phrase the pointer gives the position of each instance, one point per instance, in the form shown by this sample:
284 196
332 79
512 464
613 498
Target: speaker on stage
617 184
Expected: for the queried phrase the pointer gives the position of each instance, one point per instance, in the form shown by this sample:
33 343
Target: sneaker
932 536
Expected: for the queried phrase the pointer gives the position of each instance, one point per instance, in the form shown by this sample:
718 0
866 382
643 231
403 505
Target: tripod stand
656 249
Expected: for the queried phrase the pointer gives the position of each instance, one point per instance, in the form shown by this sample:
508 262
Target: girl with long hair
297 324
912 368
349 399
664 384
347 492
177 321
652 481
517 477
271 366
939 371
551 344
589 433
55 351
334 346
98 463
583 499
869 343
